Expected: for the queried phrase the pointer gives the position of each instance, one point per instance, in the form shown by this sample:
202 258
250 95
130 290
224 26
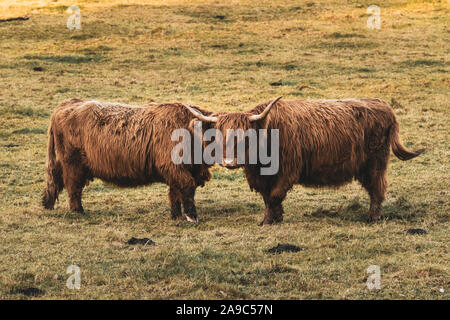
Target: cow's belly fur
326 172
328 176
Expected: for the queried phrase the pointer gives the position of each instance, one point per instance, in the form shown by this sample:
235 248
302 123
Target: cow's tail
398 148
53 174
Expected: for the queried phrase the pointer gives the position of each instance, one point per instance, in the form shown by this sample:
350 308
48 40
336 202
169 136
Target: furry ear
195 125
204 125
191 125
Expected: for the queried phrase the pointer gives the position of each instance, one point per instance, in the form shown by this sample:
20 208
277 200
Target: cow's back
326 142
122 144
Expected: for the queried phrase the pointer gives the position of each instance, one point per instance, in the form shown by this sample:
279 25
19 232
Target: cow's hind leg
175 202
374 181
75 178
373 174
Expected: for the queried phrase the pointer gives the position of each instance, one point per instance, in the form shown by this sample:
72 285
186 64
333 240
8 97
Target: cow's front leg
278 211
175 203
273 213
190 211
183 182
273 199
187 189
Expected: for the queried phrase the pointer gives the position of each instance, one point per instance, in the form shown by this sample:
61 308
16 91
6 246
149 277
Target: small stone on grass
144 241
284 248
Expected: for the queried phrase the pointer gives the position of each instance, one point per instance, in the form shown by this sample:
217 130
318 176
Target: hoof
269 222
191 219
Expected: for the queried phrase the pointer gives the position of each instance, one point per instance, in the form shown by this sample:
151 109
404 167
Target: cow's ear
198 134
195 123
261 124
191 125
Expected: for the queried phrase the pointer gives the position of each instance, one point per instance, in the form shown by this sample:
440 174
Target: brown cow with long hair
127 146
321 143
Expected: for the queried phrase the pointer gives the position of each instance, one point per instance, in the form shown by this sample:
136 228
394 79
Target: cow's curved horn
263 114
200 115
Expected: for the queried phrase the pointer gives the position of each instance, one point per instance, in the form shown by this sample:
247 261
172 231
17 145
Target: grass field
227 55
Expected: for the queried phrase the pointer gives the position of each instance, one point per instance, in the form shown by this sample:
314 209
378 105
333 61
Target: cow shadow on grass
357 210
207 211
98 216
228 208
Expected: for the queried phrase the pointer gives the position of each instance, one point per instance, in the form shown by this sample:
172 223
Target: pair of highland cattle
321 143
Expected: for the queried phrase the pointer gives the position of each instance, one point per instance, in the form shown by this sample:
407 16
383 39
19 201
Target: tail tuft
398 148
54 175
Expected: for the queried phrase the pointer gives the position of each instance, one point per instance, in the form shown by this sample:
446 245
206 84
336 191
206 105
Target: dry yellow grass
223 56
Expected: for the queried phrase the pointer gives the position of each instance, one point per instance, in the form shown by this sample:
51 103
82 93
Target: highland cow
321 143
124 145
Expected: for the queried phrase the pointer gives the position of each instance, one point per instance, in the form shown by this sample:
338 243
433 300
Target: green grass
226 57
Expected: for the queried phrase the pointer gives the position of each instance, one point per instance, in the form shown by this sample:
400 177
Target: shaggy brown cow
321 143
124 145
